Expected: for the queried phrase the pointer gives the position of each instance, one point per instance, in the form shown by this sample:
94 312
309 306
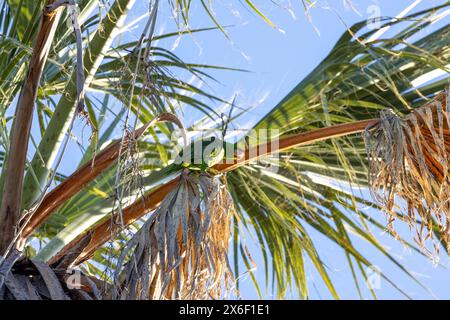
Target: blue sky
278 60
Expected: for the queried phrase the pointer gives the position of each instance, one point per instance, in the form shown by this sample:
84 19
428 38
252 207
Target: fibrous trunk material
181 251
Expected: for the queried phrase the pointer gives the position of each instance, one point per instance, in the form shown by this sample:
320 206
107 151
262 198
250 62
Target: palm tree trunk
15 164
66 108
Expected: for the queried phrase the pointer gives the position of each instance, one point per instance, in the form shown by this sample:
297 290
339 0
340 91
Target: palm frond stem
102 232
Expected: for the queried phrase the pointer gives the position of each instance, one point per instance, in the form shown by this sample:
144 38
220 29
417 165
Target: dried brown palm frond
409 157
181 251
25 279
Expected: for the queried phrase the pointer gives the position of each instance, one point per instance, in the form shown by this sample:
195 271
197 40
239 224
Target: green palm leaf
354 82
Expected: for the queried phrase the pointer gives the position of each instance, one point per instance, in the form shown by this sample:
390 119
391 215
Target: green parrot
201 155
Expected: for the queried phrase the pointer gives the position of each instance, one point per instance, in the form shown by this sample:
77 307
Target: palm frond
409 159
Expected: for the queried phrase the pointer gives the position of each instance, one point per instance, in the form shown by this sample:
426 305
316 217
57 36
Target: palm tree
139 226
